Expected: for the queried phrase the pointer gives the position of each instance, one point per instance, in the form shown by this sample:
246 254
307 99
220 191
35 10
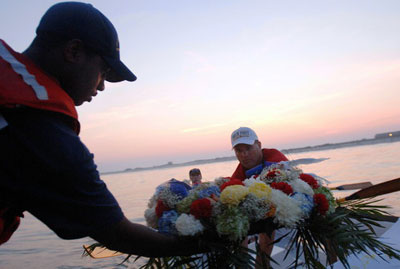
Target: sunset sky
299 73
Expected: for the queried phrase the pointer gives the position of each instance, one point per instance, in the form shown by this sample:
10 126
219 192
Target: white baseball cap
243 135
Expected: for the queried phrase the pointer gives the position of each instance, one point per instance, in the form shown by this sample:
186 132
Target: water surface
35 246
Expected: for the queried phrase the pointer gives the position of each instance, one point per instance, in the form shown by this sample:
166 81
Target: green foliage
346 231
222 256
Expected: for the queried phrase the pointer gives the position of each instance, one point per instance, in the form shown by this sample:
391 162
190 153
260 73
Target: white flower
299 185
153 201
248 182
288 211
280 175
169 198
220 180
151 217
255 208
188 225
284 165
285 172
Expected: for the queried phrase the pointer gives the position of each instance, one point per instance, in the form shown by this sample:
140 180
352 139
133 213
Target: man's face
249 155
196 179
93 76
84 77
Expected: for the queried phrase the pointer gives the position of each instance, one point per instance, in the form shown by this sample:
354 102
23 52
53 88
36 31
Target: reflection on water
35 246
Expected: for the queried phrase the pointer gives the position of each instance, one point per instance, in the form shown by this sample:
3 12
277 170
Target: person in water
195 176
45 169
252 160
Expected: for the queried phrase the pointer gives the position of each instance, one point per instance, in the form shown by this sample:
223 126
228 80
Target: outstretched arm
137 239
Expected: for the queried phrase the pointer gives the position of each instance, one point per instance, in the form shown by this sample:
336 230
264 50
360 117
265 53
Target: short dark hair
194 172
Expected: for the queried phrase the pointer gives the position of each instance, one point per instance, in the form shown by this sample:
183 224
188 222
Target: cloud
205 129
198 63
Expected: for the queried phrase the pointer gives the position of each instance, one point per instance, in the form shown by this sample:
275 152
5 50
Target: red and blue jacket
269 156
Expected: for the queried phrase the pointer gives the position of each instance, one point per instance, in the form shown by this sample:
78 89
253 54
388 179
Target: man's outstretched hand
263 226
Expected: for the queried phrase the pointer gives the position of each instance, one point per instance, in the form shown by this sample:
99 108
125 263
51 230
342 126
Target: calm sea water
35 246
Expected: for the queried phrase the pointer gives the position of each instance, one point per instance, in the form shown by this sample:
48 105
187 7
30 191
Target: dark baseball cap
195 172
70 20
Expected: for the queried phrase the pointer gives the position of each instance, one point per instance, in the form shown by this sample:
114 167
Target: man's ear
74 51
258 143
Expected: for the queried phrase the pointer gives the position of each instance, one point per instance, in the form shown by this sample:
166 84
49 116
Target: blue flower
209 191
179 188
166 224
306 202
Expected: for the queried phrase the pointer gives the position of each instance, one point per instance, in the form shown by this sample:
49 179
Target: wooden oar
375 190
101 252
353 186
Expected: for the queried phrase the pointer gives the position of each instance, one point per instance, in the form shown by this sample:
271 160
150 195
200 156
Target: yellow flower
232 195
260 190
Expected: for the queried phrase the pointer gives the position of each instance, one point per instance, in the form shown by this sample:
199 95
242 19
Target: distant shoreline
362 142
327 146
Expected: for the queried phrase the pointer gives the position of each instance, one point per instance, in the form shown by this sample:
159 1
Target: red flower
160 208
282 186
230 183
321 203
272 173
310 180
201 208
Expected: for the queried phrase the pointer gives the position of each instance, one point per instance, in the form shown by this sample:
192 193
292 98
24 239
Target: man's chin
249 164
79 103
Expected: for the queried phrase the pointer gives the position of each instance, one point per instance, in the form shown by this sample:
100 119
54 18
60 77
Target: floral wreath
281 195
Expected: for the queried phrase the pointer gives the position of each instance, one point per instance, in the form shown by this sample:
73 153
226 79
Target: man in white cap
252 160
251 156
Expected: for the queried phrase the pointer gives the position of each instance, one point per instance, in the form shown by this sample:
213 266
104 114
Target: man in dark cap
45 169
195 176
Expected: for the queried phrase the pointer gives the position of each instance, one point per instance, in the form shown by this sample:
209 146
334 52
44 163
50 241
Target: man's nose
101 86
244 153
